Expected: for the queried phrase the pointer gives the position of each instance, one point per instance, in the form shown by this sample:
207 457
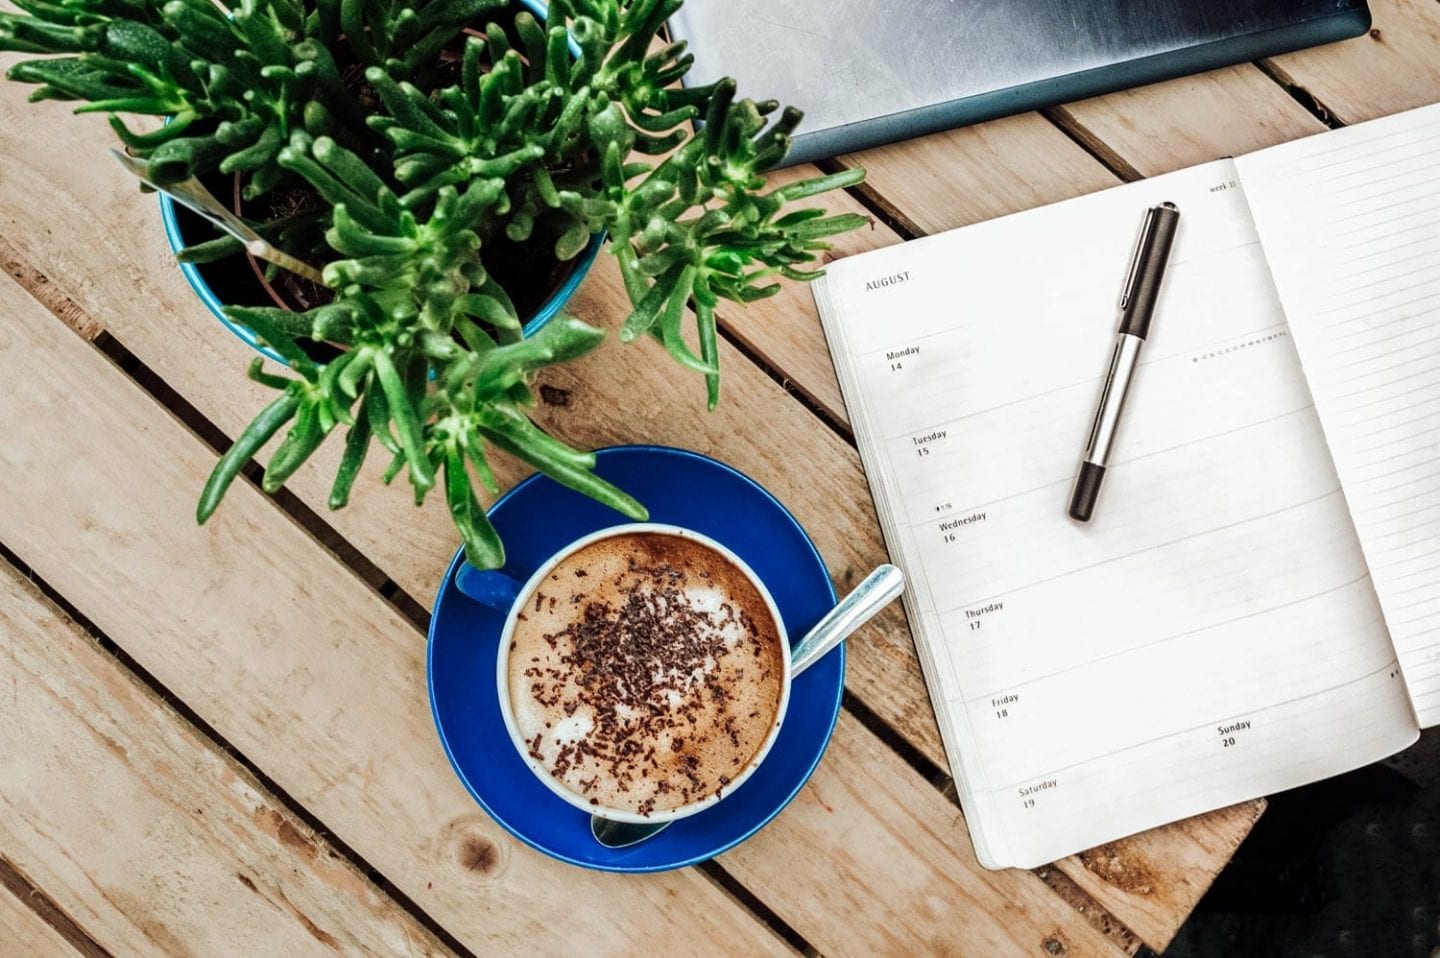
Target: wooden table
217 741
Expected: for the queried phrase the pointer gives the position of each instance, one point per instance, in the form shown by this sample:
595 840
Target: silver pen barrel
1137 307
1123 361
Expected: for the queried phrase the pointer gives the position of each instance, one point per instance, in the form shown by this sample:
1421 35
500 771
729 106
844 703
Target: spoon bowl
613 834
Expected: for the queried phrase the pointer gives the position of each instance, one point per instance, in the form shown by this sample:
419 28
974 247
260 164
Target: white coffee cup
487 588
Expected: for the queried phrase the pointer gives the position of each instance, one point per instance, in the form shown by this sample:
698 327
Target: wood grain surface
287 646
22 929
287 654
1395 68
146 834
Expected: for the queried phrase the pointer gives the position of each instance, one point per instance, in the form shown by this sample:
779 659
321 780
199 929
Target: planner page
1350 221
1212 634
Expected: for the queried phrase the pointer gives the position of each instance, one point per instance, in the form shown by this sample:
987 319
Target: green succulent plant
432 134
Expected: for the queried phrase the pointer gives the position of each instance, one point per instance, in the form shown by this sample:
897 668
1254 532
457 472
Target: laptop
868 72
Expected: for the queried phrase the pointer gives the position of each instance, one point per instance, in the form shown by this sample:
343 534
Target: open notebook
1257 602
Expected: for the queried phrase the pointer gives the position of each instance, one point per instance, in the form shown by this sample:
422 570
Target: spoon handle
192 194
877 590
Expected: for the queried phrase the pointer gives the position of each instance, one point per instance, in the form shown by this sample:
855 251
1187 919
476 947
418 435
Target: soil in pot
528 271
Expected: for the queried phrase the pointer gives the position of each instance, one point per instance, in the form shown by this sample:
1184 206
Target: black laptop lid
868 72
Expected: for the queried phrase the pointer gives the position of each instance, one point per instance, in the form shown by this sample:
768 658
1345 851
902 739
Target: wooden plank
1167 126
289 656
1395 68
755 428
1147 877
25 933
305 671
914 846
17 884
48 293
964 176
145 833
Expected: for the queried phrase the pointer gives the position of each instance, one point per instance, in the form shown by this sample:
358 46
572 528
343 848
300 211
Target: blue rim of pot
543 315
579 269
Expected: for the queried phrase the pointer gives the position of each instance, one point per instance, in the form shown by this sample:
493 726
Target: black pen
1137 307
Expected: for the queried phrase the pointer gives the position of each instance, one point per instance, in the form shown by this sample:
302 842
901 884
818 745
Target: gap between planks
731 886
1298 92
179 407
93 332
1082 136
1107 156
874 203
1061 118
31 896
51 296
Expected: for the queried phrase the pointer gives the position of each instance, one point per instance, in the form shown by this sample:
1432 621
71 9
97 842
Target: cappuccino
645 672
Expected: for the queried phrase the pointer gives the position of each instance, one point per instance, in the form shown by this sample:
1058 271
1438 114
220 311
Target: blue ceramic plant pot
547 310
580 265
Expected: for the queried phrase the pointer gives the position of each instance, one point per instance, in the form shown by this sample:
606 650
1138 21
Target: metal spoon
878 590
193 194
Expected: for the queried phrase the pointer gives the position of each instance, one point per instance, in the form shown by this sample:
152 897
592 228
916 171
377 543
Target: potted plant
423 140
538 283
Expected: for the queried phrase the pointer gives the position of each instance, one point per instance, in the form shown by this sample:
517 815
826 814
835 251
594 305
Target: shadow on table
1347 867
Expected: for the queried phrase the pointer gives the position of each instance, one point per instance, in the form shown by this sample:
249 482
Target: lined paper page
1212 635
1350 221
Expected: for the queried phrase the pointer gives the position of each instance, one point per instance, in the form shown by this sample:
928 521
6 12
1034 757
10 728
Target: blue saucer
535 519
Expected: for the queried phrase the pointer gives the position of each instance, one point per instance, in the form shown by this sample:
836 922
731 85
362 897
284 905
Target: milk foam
645 672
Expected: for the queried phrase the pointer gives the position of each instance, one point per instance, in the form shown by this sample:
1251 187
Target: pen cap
1147 269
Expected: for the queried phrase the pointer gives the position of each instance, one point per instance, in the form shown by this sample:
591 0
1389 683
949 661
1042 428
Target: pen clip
1133 275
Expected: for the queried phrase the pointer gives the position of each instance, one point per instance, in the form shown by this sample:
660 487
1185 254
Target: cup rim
503 686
